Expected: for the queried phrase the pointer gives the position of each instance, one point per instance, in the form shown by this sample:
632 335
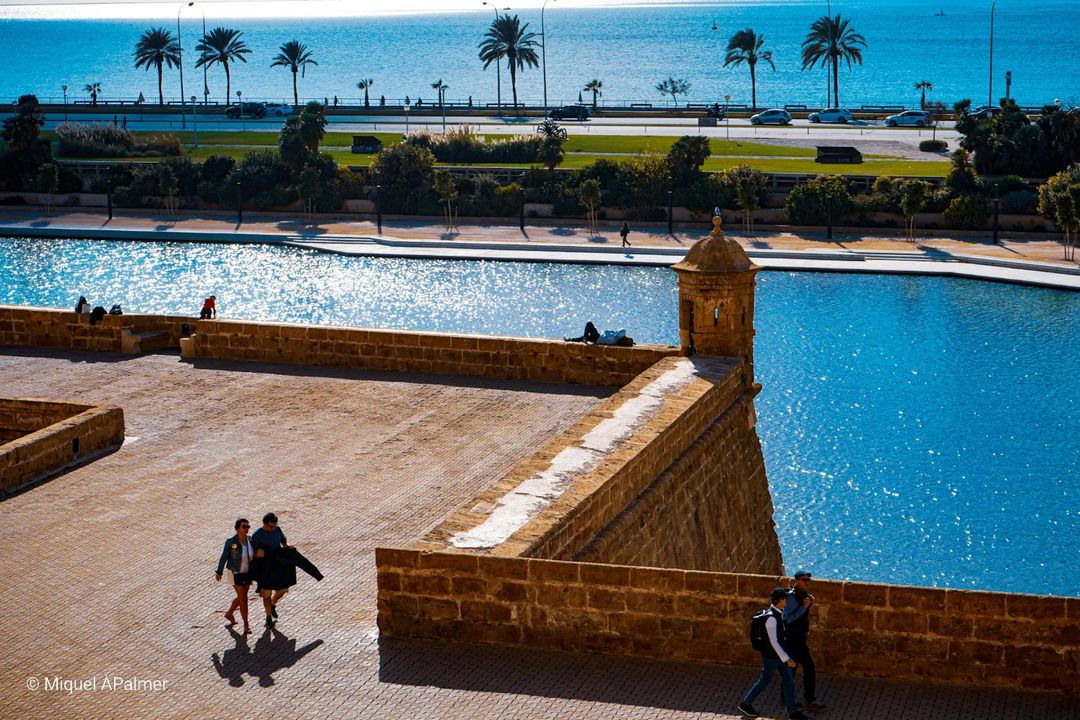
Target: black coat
277 570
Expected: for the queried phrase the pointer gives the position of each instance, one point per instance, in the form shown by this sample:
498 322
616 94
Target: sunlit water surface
916 430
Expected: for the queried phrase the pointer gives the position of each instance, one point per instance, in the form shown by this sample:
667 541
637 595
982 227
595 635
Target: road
738 128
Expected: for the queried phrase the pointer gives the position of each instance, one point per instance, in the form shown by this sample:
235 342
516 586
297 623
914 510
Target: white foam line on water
529 498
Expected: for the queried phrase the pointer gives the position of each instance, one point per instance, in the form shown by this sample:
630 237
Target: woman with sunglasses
238 554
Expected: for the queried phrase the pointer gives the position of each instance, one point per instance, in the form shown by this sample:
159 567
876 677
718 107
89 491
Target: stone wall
709 510
426 352
49 327
923 634
51 435
686 483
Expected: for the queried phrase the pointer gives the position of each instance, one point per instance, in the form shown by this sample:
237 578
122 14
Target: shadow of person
273 651
276 651
235 661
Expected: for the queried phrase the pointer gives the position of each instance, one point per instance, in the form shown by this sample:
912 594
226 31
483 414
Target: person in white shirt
774 657
238 555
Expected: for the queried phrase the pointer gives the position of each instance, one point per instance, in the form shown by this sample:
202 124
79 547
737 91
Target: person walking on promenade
767 637
797 629
268 541
625 233
238 555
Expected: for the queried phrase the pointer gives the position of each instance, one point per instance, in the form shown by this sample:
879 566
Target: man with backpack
796 629
767 636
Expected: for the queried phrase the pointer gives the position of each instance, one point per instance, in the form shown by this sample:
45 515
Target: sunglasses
245 527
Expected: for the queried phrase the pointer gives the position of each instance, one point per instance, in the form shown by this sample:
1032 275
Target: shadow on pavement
273 651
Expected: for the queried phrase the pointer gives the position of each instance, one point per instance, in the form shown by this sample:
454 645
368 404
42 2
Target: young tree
168 186
829 41
507 39
590 195
596 87
308 188
745 46
747 184
447 191
222 46
365 85
1059 202
440 89
550 128
295 56
48 182
914 195
156 48
673 87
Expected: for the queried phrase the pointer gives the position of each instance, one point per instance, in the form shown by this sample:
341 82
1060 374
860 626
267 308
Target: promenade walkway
109 567
1023 260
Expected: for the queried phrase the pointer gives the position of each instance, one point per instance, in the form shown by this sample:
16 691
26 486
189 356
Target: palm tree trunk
513 83
295 97
594 100
160 96
228 83
836 80
753 86
365 98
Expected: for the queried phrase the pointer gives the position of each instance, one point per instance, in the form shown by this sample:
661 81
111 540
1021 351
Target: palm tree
295 56
831 39
156 48
222 45
440 88
93 89
924 86
364 85
745 47
507 38
596 88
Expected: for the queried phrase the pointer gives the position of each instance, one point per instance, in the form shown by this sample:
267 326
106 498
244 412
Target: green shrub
464 145
405 173
808 203
933 146
965 211
216 167
1019 202
507 200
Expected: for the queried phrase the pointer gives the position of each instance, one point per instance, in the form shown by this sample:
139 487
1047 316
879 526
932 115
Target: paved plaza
109 567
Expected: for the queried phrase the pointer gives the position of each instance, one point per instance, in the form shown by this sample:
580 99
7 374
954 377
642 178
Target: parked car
771 117
278 109
916 118
985 111
247 109
831 115
570 112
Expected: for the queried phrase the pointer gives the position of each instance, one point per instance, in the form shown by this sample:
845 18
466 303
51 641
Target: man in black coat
797 630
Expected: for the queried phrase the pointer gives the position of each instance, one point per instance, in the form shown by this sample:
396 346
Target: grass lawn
577 161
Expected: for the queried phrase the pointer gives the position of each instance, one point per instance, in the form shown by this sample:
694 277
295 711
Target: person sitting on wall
590 336
83 306
97 315
209 308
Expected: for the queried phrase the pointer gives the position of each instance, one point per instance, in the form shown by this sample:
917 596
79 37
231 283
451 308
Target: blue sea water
916 430
629 48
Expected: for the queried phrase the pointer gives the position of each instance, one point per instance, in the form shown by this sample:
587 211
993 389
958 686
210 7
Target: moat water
916 430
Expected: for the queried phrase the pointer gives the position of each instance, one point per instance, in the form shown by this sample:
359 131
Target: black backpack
759 638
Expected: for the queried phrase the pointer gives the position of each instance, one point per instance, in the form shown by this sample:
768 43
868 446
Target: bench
838 154
134 343
797 108
891 109
641 105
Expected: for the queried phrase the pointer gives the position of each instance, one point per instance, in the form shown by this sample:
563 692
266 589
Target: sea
629 47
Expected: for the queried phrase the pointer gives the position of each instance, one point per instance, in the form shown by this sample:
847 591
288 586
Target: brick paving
109 566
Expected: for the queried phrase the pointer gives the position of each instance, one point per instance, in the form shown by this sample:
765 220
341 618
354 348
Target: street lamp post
180 52
990 94
828 76
195 120
727 115
997 210
240 105
65 103
378 207
239 203
670 219
543 51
